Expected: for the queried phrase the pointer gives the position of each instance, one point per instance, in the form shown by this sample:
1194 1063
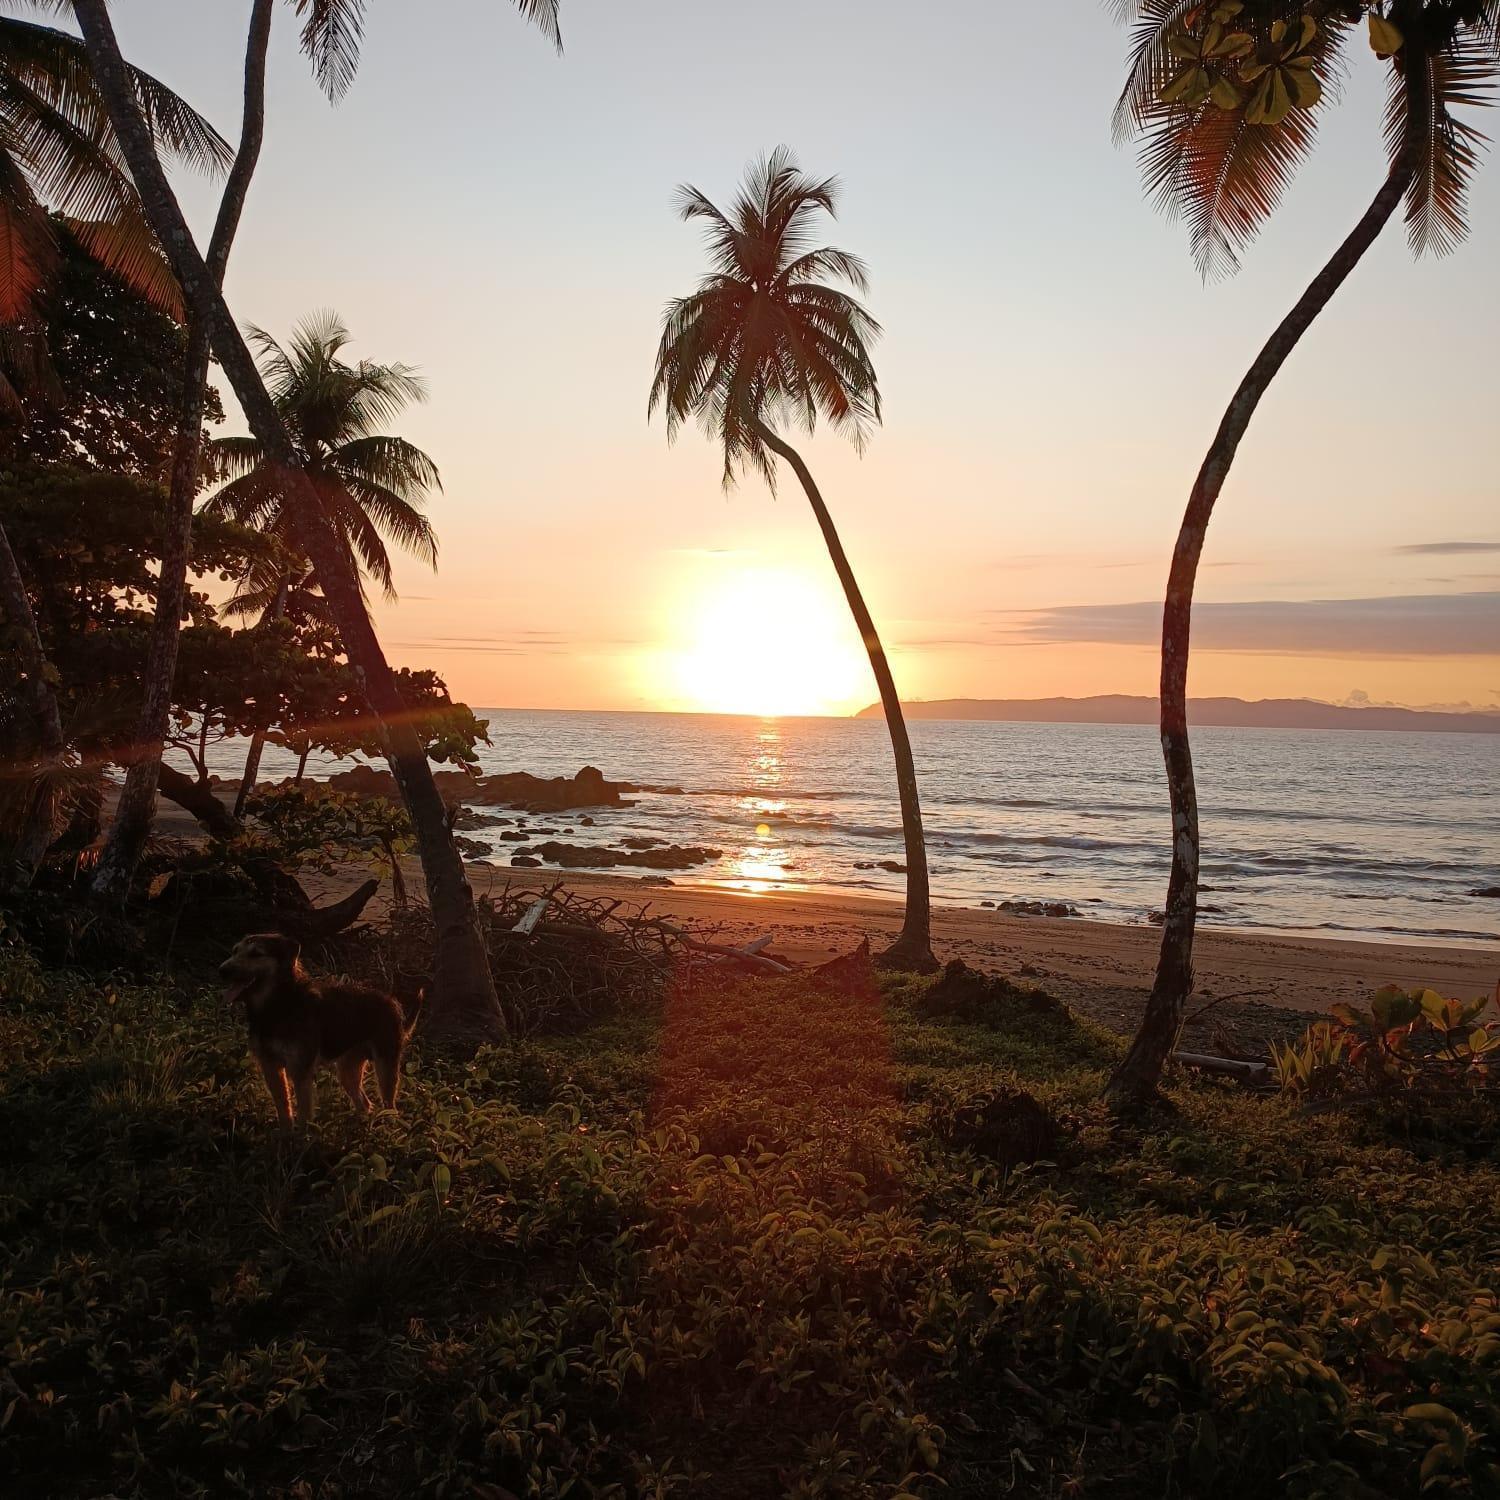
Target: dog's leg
351 1070
388 1075
307 1095
276 1083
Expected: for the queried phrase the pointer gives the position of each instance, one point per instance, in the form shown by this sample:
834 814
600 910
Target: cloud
1075 561
1399 625
517 643
1446 549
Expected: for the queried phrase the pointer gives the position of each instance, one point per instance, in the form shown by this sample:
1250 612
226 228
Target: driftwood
316 922
260 898
748 955
197 797
532 915
1257 1073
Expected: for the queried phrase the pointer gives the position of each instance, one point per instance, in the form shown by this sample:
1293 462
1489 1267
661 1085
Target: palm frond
257 499
359 533
1419 107
54 65
127 247
765 337
1210 157
230 457
332 34
372 484
391 462
28 251
392 516
543 14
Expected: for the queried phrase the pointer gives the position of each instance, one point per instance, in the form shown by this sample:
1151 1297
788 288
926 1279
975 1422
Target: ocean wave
772 793
1082 806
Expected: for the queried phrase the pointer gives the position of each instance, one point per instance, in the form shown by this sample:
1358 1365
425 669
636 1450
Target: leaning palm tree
331 35
60 163
1227 96
767 341
371 485
136 808
463 1006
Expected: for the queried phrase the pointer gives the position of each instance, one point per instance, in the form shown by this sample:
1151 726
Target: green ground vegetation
764 1239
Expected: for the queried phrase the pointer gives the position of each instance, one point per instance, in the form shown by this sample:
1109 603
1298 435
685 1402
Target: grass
735 1247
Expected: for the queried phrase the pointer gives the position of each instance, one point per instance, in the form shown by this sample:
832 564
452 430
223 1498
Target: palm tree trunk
137 807
1134 1081
912 950
464 1009
274 611
37 825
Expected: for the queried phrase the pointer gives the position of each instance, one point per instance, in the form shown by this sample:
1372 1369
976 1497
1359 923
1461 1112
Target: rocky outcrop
1039 908
366 781
467 817
534 794
599 857
518 789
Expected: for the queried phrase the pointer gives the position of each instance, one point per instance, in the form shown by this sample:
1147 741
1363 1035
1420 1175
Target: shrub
1005 1124
725 1246
1408 1042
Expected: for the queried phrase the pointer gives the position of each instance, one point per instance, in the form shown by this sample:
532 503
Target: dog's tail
411 1018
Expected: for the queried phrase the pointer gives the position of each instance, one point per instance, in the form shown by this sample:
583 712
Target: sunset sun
766 641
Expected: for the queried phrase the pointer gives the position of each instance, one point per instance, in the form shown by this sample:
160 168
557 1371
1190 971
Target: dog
297 1022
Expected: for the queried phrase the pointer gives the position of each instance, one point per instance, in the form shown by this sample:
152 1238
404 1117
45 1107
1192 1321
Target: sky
1052 367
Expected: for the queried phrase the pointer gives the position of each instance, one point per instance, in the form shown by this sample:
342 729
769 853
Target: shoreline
685 881
1260 984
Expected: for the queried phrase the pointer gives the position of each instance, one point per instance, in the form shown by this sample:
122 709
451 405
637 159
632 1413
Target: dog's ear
287 949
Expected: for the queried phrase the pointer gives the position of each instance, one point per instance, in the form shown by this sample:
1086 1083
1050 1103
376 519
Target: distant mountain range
1237 713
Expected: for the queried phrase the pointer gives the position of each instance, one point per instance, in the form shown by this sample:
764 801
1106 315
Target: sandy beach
1263 983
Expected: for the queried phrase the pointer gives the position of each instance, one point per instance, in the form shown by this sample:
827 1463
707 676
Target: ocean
1338 832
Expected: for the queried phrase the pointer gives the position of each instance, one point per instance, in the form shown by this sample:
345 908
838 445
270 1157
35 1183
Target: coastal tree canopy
768 335
1227 98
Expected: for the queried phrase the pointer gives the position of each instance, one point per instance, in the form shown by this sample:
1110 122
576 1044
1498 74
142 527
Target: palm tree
766 341
1228 96
136 808
462 1005
371 486
331 35
59 155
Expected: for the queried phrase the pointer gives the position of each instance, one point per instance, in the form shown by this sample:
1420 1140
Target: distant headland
1237 713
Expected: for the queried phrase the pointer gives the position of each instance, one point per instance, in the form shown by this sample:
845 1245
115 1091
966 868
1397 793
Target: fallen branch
1229 1067
324 921
744 955
197 798
1203 1010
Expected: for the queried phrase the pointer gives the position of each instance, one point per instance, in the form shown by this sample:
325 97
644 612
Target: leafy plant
1404 1041
714 1248
319 828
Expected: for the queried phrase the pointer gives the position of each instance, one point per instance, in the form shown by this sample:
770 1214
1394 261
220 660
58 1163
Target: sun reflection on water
761 864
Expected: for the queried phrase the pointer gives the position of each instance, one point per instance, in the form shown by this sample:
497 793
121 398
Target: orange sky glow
1051 366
